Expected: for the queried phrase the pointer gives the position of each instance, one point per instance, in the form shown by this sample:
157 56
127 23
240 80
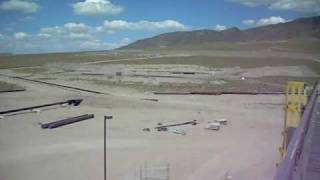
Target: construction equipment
296 101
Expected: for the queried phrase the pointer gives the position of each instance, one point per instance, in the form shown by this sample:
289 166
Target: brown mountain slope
304 28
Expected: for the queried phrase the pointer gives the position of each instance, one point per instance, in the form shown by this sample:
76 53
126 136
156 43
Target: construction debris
9 87
55 84
178 131
222 121
194 122
108 117
149 99
171 93
213 126
36 110
92 74
218 93
216 124
14 90
74 102
162 129
67 121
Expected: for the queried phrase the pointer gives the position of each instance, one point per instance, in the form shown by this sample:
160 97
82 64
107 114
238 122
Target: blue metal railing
288 165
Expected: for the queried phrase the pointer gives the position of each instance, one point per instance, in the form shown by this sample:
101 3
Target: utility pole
105 145
104 148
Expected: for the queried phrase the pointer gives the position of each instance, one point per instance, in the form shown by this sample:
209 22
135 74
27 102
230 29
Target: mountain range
303 28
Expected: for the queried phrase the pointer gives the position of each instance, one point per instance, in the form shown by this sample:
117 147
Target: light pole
105 145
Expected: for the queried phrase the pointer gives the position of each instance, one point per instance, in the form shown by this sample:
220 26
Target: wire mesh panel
154 172
149 171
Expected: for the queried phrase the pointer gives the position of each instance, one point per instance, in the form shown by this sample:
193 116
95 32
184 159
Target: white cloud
309 6
71 36
91 45
56 30
80 35
110 32
96 7
252 3
44 35
76 36
20 5
219 27
69 30
99 45
270 20
264 21
248 21
125 41
73 31
27 18
20 35
77 27
99 28
306 6
166 25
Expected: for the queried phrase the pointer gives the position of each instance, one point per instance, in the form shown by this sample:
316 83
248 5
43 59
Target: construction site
160 90
161 121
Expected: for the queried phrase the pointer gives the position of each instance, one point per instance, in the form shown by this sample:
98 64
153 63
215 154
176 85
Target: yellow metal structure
296 100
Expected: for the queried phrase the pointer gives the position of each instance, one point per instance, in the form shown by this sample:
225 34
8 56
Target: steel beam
194 122
66 121
74 102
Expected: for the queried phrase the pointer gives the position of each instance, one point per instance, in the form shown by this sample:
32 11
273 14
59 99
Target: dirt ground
8 87
245 149
121 79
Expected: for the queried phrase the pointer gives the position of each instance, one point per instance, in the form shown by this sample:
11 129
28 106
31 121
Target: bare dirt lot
8 87
245 148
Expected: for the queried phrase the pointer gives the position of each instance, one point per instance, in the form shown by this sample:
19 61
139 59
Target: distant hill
304 28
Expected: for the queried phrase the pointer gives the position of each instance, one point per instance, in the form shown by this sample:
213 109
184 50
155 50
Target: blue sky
37 26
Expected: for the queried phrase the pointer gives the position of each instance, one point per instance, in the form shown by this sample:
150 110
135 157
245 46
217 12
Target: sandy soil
247 148
167 78
5 87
